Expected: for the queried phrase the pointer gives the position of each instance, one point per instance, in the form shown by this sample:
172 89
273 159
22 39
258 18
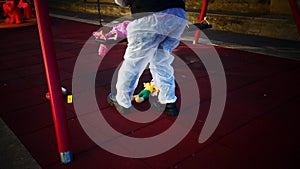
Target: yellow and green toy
149 89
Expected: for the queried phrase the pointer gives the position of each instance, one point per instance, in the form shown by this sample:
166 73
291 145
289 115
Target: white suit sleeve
122 3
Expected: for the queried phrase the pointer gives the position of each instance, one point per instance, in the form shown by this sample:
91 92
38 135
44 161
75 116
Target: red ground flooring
259 127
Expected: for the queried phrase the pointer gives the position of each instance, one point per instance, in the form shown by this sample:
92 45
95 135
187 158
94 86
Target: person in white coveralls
151 36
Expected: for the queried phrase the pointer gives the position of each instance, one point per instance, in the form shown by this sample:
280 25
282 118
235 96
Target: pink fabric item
99 35
103 50
118 31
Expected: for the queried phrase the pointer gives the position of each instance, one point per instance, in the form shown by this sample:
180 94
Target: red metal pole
53 80
296 13
202 15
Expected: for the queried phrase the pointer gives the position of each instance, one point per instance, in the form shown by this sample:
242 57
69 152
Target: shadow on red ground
259 127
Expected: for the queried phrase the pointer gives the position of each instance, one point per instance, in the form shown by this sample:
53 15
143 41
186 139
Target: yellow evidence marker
69 99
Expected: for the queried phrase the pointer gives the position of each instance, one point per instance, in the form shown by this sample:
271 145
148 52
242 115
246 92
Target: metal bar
296 13
99 13
201 17
53 80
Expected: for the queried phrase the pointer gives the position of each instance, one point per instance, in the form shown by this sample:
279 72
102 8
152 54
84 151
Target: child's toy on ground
149 89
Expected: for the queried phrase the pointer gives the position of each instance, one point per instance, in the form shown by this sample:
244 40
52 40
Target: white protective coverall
151 39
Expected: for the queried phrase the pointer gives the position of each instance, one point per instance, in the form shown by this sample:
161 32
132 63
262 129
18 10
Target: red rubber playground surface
259 127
